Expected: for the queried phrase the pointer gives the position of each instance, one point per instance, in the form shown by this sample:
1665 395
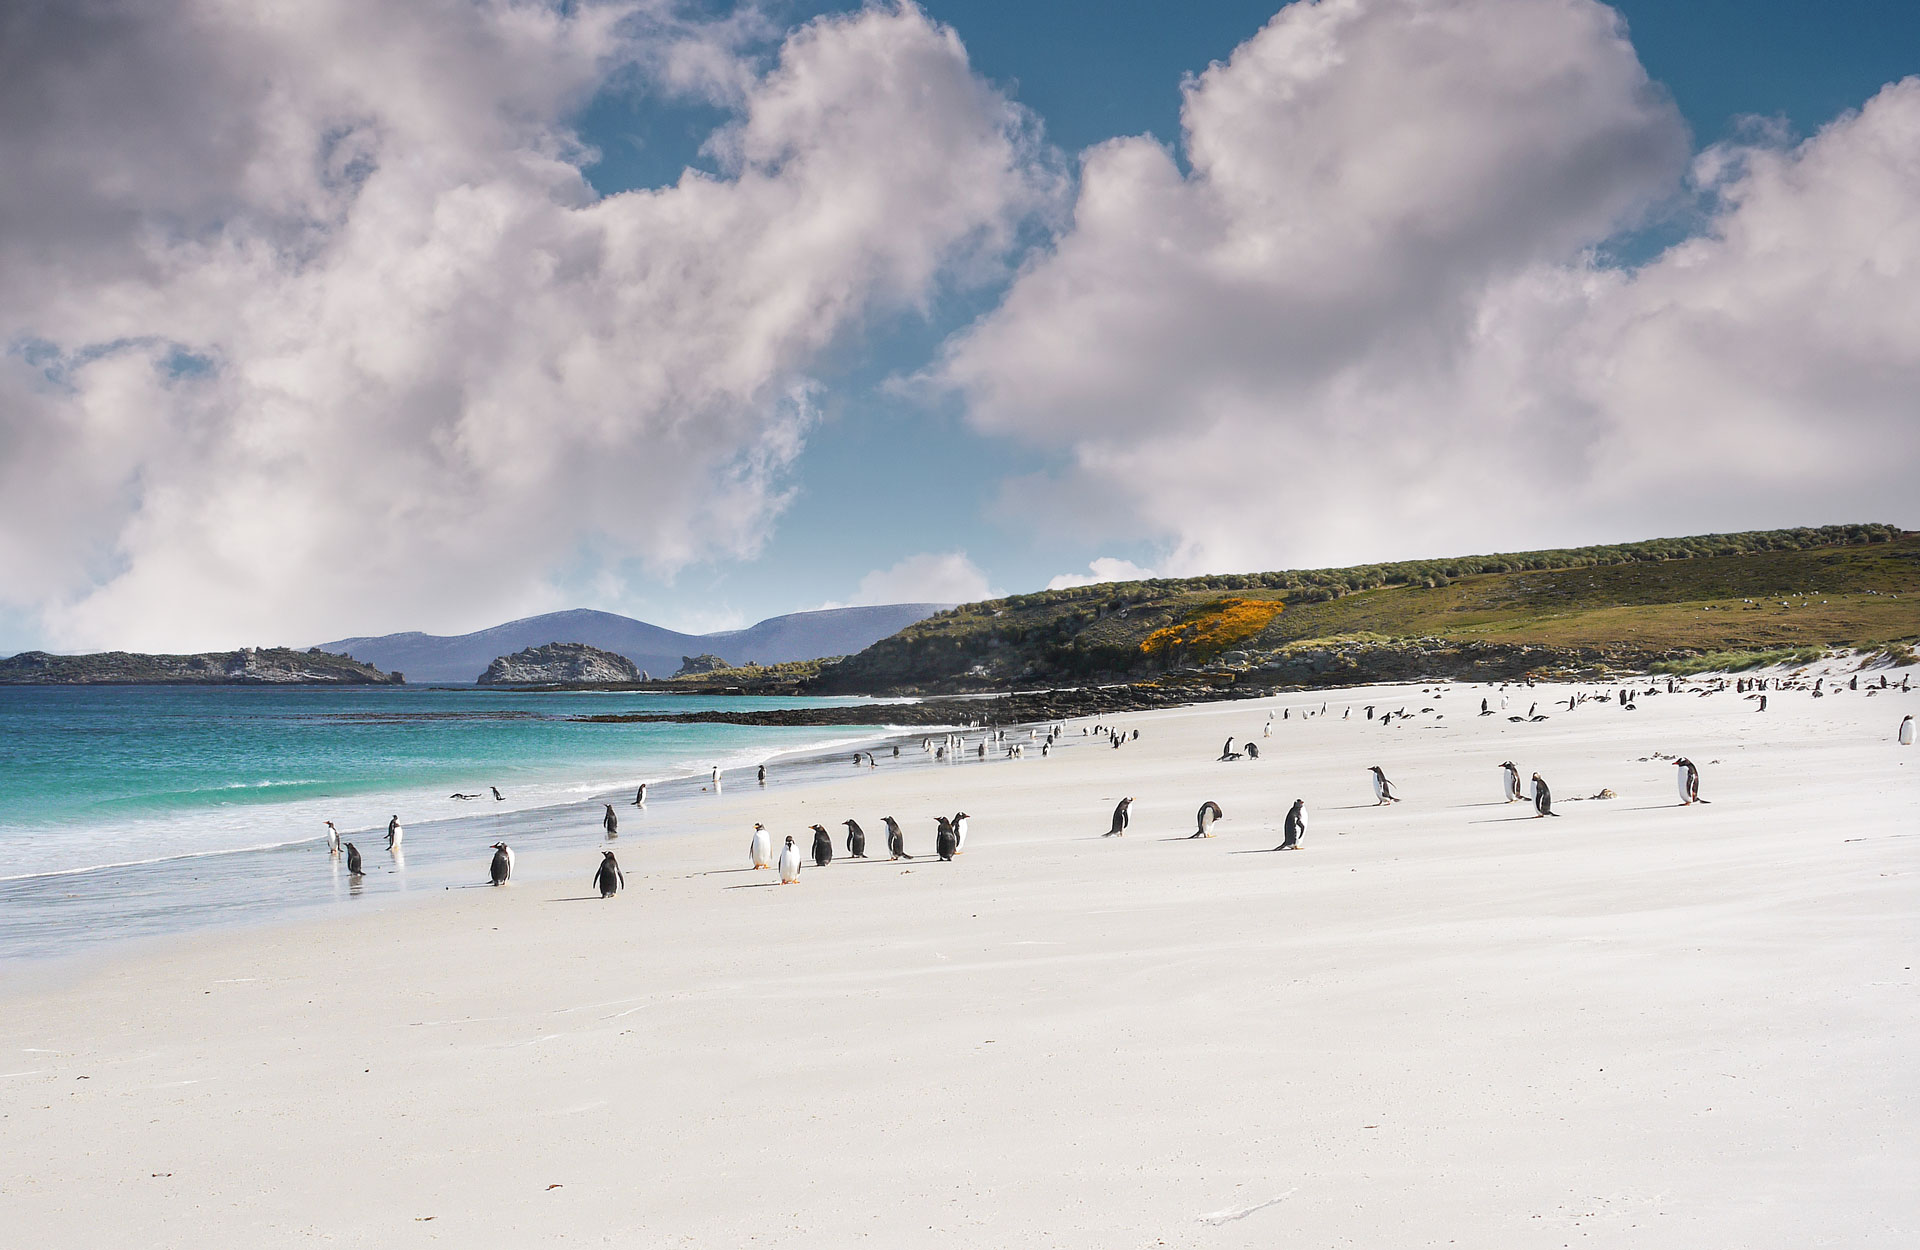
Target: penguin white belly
1681 776
959 836
1379 791
762 850
1906 732
789 865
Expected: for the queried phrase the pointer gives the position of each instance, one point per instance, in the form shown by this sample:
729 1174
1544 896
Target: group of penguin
950 838
1294 829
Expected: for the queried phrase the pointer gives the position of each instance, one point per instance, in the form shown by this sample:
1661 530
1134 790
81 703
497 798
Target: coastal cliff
567 662
249 666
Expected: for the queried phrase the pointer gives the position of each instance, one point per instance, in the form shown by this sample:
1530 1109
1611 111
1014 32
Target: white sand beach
1442 1022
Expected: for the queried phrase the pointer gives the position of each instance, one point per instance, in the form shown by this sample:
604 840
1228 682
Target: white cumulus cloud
930 577
1103 569
313 326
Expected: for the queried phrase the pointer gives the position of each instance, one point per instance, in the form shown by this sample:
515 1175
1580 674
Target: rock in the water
559 662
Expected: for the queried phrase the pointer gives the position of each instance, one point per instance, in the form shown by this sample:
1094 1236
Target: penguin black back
945 840
856 839
822 847
608 878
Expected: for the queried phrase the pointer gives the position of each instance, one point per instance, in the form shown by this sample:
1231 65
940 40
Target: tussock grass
1739 661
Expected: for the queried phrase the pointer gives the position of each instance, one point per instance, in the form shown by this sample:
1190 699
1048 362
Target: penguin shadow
1256 850
755 885
1504 820
723 872
578 898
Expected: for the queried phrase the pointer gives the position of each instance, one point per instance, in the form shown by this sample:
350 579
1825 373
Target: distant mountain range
797 636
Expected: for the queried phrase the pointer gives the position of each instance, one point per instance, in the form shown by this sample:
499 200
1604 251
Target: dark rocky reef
250 666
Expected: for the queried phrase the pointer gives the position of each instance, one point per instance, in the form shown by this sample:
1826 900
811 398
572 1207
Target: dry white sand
1443 1022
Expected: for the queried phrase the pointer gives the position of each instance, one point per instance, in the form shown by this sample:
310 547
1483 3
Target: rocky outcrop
705 662
568 662
249 666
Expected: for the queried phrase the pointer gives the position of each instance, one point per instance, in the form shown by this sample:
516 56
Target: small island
566 662
249 666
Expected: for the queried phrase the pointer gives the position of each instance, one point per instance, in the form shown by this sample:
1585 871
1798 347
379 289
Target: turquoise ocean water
132 810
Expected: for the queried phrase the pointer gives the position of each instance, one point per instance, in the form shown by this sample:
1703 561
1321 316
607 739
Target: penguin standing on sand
1689 778
394 834
822 847
789 863
608 878
1227 752
1906 732
760 850
896 840
501 870
1295 828
1121 818
640 795
333 839
1542 798
354 866
1510 781
959 833
610 822
944 841
1382 788
1204 818
856 839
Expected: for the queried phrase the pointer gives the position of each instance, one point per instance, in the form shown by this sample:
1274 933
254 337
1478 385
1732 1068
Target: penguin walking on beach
501 870
760 850
1542 798
1253 752
497 796
789 862
1382 788
1510 781
1906 732
333 839
1121 818
1689 778
640 795
610 822
822 847
1295 827
945 842
1763 704
1204 818
1227 752
960 832
896 840
354 867
394 834
856 840
608 878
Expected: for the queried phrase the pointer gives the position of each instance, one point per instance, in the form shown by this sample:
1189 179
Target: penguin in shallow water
1382 788
501 870
856 839
1689 779
497 796
1542 798
610 822
896 840
1906 730
1121 819
960 833
822 847
640 795
1296 826
333 839
608 878
789 863
354 867
760 850
394 834
1510 781
1204 818
944 841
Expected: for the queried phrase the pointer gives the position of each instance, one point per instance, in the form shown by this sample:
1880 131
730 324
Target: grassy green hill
1625 606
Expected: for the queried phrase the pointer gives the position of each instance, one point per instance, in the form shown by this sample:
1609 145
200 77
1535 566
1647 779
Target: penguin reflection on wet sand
1542 798
1121 818
608 878
896 840
945 841
822 847
1204 818
856 840
1296 826
501 870
1382 788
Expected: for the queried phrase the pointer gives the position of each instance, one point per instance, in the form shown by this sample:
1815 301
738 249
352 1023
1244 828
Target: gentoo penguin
394 834
1763 704
1296 826
959 833
1689 778
497 796
502 870
1382 788
610 822
1204 818
1542 798
1121 818
822 847
354 868
608 877
944 841
761 848
856 839
640 795
789 862
1484 709
1226 752
1510 781
333 839
896 840
714 776
763 774
1906 732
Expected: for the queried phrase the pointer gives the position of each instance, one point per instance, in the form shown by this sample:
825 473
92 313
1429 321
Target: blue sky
1426 277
